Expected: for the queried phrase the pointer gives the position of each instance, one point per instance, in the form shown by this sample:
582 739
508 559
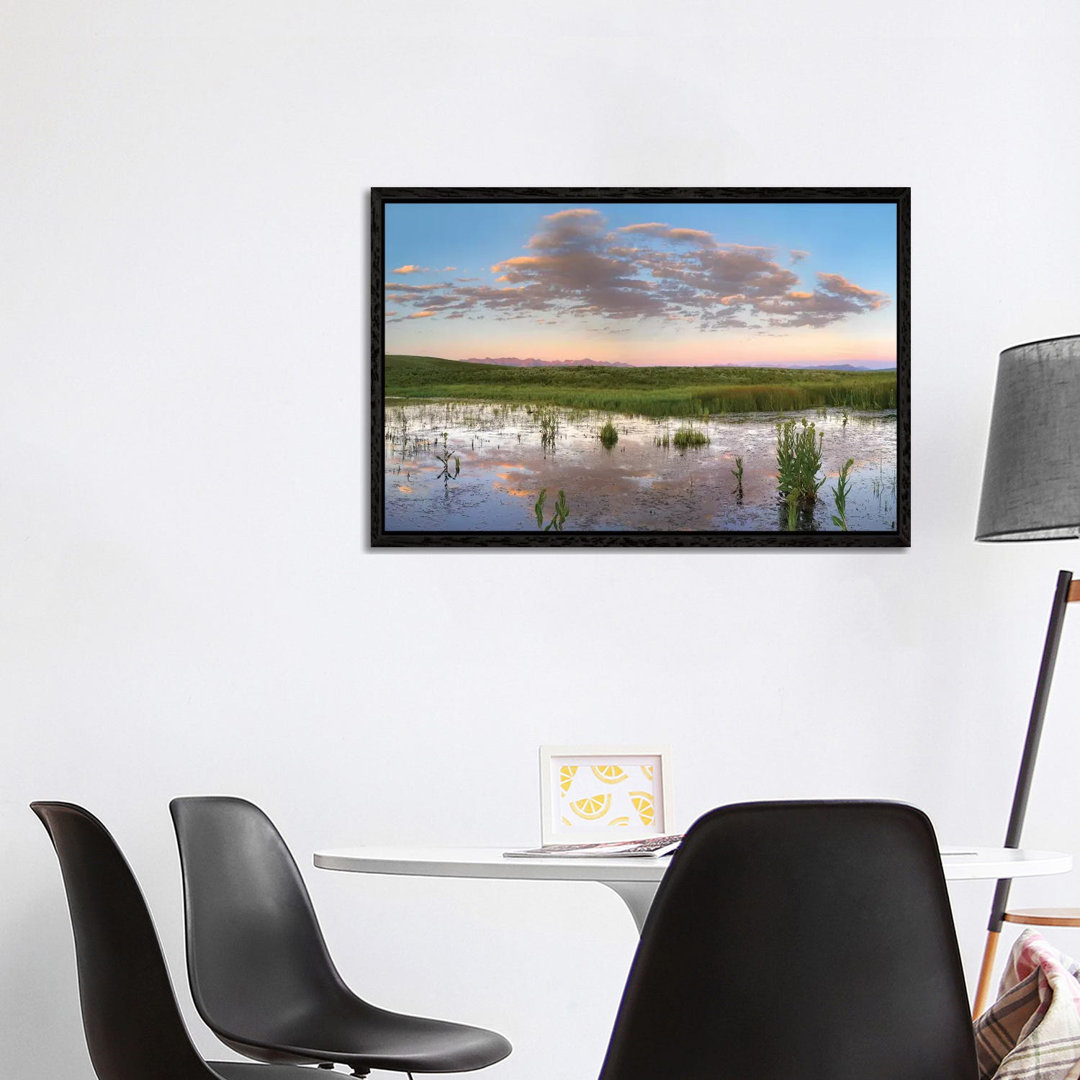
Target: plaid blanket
1032 1031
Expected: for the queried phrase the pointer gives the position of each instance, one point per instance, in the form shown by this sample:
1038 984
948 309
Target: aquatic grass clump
608 435
798 459
687 437
737 472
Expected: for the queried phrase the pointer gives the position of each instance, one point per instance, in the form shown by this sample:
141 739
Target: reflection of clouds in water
519 493
642 485
405 489
512 476
400 465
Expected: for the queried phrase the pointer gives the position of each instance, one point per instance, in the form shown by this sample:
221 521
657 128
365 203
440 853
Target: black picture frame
383 534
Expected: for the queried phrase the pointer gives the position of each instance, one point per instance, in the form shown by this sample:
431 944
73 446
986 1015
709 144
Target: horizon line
585 361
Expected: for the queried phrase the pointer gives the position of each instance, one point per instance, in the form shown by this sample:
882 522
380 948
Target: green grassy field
642 391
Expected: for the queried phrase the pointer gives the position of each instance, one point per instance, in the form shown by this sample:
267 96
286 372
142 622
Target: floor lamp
1031 491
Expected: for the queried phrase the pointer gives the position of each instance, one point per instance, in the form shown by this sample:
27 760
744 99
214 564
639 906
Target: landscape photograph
609 369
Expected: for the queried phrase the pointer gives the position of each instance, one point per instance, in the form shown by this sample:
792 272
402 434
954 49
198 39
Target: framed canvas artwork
667 367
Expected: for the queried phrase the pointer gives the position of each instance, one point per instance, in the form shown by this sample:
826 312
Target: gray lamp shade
1031 484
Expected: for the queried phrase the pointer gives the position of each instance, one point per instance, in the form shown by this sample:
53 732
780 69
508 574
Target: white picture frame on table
591 794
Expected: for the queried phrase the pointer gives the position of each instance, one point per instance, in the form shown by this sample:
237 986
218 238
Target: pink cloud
666 232
404 289
839 285
568 229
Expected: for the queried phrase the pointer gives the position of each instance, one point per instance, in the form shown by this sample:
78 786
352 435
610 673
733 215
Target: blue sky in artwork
674 283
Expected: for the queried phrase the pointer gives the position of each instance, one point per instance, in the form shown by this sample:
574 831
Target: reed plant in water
560 512
444 459
608 435
737 472
792 501
549 428
798 459
840 494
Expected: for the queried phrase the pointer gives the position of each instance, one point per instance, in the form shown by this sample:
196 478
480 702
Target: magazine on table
649 847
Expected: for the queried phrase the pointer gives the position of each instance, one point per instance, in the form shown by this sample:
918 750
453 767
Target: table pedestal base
637 896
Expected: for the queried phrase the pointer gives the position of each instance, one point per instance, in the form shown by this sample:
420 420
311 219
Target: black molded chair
259 969
798 941
133 1026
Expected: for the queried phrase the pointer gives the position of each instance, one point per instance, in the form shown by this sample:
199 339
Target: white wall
188 604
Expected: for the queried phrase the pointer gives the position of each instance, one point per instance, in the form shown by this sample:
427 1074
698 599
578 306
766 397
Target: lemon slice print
609 774
643 804
624 820
592 807
646 771
566 777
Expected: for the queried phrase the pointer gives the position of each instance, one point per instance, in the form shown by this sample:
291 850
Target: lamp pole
1062 595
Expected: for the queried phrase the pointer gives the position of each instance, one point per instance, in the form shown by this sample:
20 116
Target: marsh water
475 465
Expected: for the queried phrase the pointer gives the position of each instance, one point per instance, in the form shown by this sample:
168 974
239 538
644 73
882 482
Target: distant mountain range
534 361
850 367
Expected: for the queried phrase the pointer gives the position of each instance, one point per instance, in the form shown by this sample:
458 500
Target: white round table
636 879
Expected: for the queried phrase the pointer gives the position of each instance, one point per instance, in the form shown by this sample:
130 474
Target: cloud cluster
576 266
412 268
